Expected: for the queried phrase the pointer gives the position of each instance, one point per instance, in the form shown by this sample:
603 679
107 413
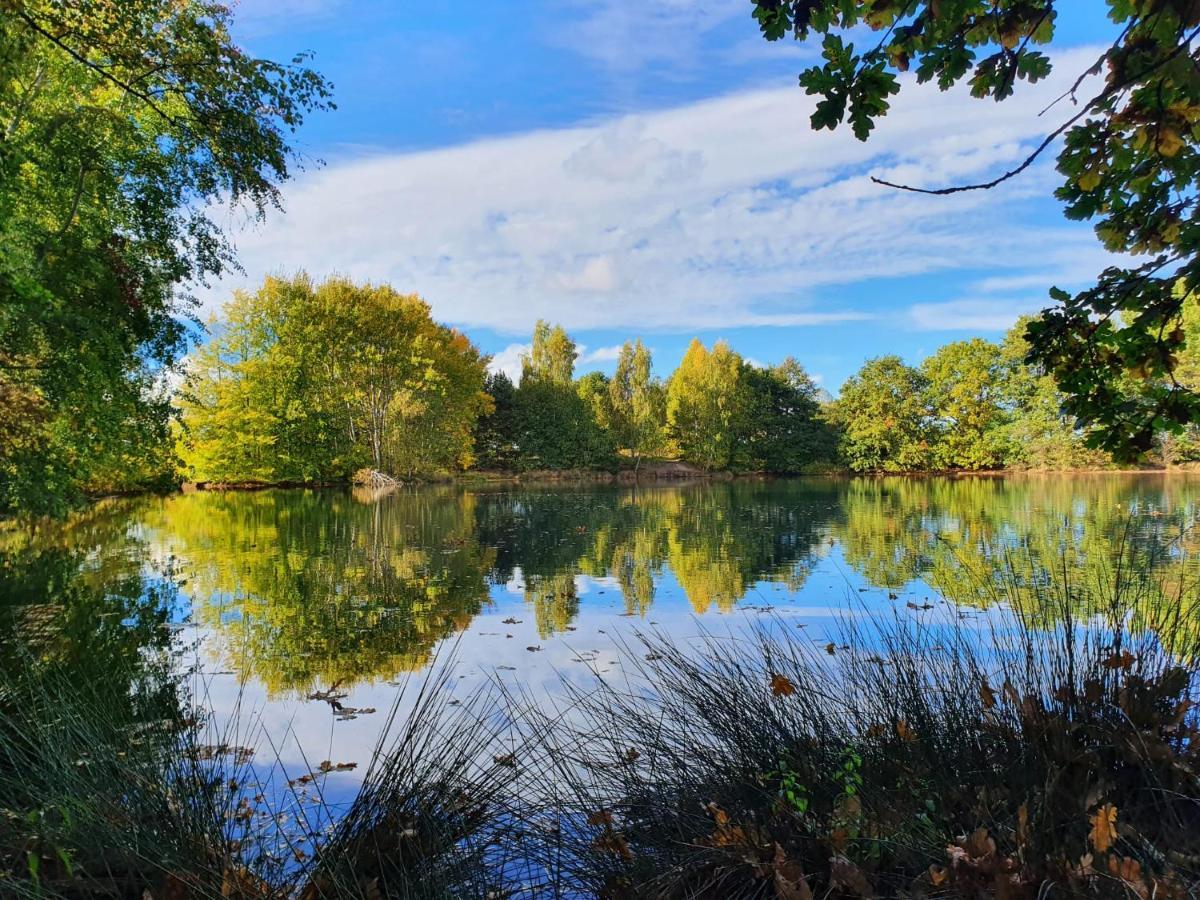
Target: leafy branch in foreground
122 124
1129 163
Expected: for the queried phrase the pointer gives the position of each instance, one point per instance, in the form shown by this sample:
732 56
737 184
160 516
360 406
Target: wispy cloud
599 355
508 361
729 212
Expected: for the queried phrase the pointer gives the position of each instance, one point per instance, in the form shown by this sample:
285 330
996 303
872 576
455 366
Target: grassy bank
1038 752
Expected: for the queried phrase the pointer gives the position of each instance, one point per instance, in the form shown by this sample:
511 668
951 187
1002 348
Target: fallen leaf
1123 660
986 695
789 878
719 816
782 686
1104 828
600 817
938 875
846 876
614 843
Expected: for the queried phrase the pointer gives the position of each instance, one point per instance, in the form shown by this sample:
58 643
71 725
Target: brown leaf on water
600 817
986 695
1123 660
782 686
789 878
846 876
1104 828
613 842
938 875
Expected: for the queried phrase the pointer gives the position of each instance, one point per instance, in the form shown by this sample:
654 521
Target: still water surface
275 597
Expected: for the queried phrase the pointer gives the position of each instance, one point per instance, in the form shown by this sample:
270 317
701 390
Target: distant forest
308 382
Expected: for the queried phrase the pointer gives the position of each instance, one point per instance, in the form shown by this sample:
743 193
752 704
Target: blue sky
646 169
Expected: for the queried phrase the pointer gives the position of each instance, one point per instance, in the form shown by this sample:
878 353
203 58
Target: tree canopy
309 382
122 123
1126 135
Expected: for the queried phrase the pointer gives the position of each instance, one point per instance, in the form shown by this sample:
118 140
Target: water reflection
302 590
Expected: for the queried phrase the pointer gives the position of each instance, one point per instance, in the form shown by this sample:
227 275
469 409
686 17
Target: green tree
964 384
705 404
1128 158
784 428
496 431
558 423
306 382
1040 434
123 122
885 421
551 357
637 402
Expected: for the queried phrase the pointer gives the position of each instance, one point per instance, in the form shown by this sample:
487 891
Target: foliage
551 357
964 383
1128 159
705 403
496 431
309 382
885 420
123 121
1039 434
638 403
785 429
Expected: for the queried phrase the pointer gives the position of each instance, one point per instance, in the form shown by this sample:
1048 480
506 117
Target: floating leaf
782 686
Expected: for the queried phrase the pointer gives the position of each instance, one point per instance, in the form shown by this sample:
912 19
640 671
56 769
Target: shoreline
656 476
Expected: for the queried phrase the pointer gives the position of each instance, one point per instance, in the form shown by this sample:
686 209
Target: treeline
310 382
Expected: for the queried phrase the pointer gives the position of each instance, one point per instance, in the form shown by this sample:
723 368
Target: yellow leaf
1104 828
1089 180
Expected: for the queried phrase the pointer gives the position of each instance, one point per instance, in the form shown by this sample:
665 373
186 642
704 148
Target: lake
301 613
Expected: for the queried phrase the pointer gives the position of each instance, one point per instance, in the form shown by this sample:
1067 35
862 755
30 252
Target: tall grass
1041 749
1025 753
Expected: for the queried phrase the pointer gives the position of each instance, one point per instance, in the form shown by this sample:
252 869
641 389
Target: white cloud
626 35
990 314
721 213
508 361
599 355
